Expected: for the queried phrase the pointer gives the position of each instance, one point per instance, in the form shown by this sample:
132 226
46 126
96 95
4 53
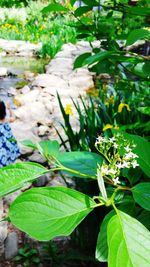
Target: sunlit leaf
141 194
128 242
15 176
45 213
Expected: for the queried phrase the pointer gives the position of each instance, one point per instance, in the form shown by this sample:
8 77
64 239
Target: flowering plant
57 211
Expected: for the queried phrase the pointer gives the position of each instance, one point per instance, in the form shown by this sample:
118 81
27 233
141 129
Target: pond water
17 66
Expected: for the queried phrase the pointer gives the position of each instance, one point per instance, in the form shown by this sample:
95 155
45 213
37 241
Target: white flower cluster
118 154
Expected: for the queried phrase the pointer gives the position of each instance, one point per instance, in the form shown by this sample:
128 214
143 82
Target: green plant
27 256
58 210
112 56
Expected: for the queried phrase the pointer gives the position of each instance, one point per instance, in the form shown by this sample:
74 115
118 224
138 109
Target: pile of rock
19 48
38 109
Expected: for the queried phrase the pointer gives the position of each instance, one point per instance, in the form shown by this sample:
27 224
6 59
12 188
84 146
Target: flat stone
37 157
82 82
43 130
42 180
29 97
25 89
33 113
3 72
20 48
11 245
49 80
3 235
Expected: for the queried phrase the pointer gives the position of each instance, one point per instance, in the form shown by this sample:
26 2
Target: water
18 66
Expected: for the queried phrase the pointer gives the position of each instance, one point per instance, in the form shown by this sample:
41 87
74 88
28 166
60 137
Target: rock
43 130
3 235
3 72
3 229
11 197
33 113
57 66
42 180
29 75
25 132
11 245
12 91
37 157
20 48
25 89
81 82
49 80
29 97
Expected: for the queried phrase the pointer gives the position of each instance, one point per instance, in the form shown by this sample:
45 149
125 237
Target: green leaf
54 8
97 57
146 68
136 35
29 143
82 10
144 218
139 70
144 110
141 194
128 242
82 162
142 149
48 148
45 213
72 2
16 175
79 62
102 247
90 3
140 11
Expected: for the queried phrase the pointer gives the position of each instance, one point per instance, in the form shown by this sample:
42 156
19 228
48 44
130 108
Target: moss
21 84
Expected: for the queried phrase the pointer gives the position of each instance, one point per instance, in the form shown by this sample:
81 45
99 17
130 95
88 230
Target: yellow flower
107 126
109 100
122 105
68 110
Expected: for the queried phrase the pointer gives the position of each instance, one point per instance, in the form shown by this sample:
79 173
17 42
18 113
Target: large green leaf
142 149
54 8
144 110
141 194
91 3
128 242
140 11
45 213
146 69
48 148
16 175
97 57
81 10
72 2
144 218
83 163
102 246
29 143
136 35
79 62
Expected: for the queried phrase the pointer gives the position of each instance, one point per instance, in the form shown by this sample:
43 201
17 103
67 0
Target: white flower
125 165
104 170
100 139
115 145
131 155
112 171
127 149
116 181
119 165
112 139
134 164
